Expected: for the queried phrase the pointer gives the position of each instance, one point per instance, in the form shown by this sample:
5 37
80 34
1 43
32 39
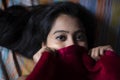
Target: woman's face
65 32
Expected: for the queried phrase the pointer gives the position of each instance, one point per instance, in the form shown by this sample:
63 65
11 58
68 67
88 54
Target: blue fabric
4 55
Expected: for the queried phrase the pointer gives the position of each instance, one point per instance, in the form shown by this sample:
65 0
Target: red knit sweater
73 63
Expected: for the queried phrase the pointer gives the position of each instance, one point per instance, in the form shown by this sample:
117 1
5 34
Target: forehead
66 22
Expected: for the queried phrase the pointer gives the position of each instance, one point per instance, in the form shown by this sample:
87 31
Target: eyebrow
59 31
80 31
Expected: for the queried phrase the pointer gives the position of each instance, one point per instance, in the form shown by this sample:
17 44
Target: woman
61 25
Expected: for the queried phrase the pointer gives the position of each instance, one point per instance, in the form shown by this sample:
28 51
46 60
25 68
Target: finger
52 51
101 51
49 49
95 54
104 48
90 52
36 57
109 48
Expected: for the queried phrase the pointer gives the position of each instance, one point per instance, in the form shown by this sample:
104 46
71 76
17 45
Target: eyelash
81 37
78 37
60 38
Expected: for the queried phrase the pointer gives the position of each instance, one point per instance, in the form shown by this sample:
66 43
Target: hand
96 52
38 55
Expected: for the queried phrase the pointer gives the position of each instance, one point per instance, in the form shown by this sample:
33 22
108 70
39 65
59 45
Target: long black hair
40 24
25 46
12 23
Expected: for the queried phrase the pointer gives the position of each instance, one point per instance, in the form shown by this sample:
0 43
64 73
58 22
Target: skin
96 52
65 32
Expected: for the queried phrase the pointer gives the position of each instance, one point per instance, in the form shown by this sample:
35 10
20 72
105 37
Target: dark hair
24 46
41 23
12 24
1 11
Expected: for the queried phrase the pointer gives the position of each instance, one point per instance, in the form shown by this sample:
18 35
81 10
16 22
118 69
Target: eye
80 37
61 38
